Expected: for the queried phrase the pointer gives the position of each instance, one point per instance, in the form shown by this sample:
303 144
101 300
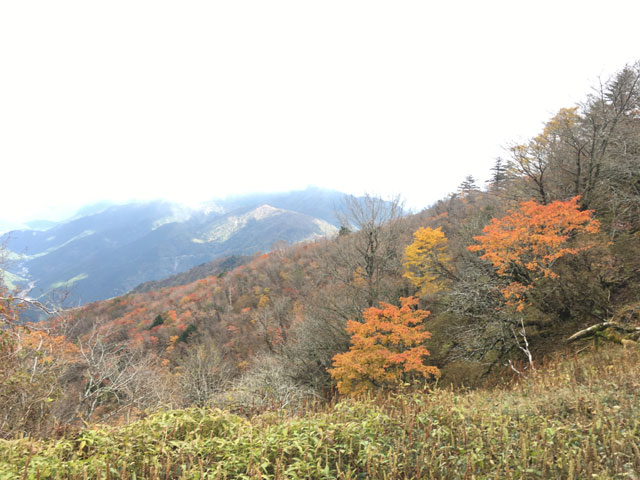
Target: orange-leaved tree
426 261
386 349
524 245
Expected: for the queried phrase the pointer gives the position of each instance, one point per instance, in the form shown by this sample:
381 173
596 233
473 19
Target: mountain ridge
115 248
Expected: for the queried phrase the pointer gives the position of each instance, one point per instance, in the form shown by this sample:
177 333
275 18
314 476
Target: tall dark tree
468 186
498 174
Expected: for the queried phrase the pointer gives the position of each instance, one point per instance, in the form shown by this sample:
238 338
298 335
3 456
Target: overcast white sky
192 100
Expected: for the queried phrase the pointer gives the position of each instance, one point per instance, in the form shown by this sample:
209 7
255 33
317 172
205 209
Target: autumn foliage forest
481 289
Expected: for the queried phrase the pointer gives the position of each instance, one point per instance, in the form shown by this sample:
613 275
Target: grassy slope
578 418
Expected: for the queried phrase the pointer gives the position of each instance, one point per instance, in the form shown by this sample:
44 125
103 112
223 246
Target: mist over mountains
106 250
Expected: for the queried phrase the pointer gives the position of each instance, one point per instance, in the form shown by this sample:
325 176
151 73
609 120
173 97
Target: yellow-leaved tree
426 262
387 349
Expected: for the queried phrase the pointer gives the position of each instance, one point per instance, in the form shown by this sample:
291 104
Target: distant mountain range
106 250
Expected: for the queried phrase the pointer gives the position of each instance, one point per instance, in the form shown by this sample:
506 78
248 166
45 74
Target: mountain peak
264 211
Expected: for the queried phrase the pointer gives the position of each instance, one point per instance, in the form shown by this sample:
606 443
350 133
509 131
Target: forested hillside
492 285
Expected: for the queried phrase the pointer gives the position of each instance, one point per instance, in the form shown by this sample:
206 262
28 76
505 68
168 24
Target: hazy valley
107 250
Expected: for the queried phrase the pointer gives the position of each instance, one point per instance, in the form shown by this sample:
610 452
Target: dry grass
577 418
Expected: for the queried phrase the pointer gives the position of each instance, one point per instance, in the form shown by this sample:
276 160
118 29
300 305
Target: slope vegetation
577 418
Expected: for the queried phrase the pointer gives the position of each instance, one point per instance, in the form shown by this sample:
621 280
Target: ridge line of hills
107 250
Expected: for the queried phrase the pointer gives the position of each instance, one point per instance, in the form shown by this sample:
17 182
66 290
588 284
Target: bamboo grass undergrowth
577 418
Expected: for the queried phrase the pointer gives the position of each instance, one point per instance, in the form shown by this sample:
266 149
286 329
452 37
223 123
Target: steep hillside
493 284
215 267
